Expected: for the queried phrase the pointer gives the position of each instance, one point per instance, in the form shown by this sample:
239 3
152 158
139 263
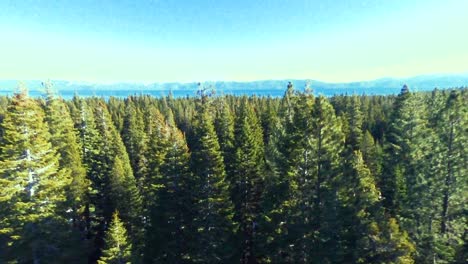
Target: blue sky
203 40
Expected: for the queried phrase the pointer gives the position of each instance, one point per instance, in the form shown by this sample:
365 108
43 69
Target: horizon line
236 81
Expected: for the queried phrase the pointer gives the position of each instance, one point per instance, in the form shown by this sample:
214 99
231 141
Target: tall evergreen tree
32 187
452 131
113 185
247 181
371 236
224 126
355 120
65 140
404 146
89 138
287 103
407 183
116 108
152 186
178 200
321 172
135 139
269 119
117 173
372 154
170 229
278 180
214 220
309 225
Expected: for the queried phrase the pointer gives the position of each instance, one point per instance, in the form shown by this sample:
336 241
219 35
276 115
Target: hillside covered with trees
234 179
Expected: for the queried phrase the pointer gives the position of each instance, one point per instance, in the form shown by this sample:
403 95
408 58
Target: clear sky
208 40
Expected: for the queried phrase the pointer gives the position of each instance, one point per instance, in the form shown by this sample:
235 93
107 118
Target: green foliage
371 236
32 186
117 249
306 221
135 139
214 220
247 181
224 126
298 179
116 173
170 214
354 118
453 183
372 154
65 140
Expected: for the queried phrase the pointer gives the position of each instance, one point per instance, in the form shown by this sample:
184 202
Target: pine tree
287 102
317 172
116 108
224 126
113 185
309 224
278 181
135 139
452 131
117 173
269 119
371 153
64 139
158 135
152 186
169 232
247 184
124 193
325 143
355 120
407 183
91 152
213 221
392 187
32 186
118 248
178 200
4 102
371 236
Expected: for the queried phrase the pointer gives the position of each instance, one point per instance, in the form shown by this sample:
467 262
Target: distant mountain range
379 86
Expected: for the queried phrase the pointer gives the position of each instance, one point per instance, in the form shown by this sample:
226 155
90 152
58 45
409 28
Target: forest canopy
234 179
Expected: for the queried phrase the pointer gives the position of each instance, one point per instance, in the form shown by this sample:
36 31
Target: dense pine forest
234 179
